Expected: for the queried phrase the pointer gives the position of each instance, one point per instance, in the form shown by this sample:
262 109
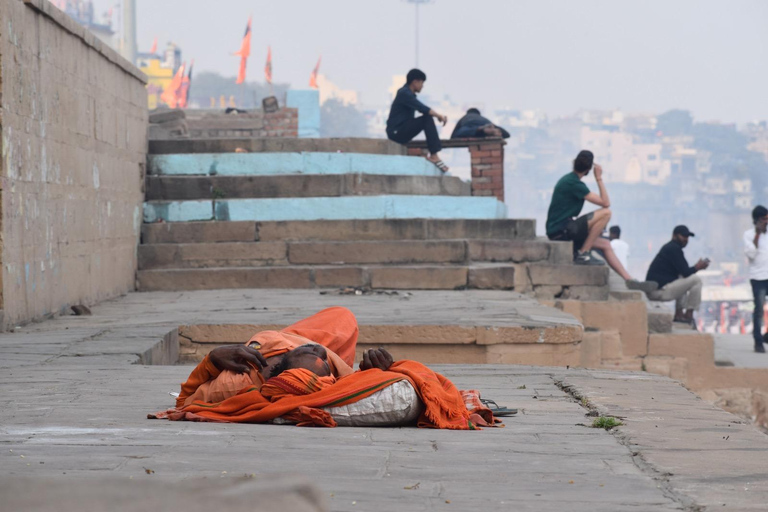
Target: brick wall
486 160
73 125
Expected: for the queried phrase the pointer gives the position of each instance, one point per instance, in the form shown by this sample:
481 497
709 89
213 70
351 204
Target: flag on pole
268 66
313 76
154 42
171 92
244 52
184 89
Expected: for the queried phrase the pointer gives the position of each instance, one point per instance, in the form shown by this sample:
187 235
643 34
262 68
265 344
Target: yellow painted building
159 70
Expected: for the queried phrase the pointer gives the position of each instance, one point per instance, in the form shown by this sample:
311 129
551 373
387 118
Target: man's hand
443 119
598 172
235 358
760 226
701 264
376 358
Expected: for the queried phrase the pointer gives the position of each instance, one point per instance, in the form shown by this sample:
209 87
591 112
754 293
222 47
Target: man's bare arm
601 200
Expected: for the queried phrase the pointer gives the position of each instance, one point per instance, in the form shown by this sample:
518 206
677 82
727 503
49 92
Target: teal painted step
260 164
327 208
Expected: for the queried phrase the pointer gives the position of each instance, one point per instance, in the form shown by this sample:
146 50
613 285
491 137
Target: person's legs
759 289
596 226
433 139
678 290
692 299
604 245
411 128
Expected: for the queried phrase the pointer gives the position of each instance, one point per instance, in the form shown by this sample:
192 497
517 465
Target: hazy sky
646 55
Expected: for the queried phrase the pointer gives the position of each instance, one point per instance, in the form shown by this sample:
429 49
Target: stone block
628 318
198 232
586 293
517 251
165 115
560 253
659 318
610 345
419 278
224 278
492 278
547 292
568 275
591 350
340 276
387 252
535 354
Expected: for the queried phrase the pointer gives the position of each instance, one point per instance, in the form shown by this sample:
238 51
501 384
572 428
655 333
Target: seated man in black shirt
474 125
402 127
677 281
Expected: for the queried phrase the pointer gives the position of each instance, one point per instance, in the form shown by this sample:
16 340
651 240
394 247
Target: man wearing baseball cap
677 280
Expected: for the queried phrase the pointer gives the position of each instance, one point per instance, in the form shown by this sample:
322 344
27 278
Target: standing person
567 201
676 279
402 126
619 246
756 250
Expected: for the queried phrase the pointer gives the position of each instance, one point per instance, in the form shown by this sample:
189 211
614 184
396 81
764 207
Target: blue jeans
759 290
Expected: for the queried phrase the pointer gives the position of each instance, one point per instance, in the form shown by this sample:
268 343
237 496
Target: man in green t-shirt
564 224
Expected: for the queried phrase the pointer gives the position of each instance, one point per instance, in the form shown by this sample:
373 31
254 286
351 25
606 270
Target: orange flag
313 76
171 92
244 52
268 66
183 96
154 46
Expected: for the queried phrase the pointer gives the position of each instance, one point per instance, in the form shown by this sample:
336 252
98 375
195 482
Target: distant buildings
159 69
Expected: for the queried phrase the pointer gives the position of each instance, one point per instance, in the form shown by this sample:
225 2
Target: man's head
760 215
473 111
614 233
415 80
311 357
681 234
583 162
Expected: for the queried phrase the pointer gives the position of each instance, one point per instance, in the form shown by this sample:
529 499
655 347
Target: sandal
496 409
440 165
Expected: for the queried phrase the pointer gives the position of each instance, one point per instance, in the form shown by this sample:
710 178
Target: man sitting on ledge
304 369
402 127
473 125
563 223
676 279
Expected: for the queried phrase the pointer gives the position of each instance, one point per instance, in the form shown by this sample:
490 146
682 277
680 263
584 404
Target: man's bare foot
491 131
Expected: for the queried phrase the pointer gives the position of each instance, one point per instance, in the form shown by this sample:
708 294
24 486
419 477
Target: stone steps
276 145
326 208
401 277
393 252
260 164
304 185
340 230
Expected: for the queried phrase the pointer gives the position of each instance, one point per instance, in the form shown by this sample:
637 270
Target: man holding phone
677 280
756 250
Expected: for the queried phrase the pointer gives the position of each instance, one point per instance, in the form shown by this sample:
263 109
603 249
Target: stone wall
206 124
74 144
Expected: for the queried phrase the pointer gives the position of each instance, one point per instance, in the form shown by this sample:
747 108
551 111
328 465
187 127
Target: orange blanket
444 405
335 328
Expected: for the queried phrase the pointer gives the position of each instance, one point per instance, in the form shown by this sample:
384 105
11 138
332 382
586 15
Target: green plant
606 422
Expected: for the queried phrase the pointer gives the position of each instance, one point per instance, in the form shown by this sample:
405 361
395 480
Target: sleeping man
300 373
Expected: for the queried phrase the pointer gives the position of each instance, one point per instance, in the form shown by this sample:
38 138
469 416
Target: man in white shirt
619 246
756 250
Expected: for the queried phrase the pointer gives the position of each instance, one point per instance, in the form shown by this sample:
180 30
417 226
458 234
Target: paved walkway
738 350
74 407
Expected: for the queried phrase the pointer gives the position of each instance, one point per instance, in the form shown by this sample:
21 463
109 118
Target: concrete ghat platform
327 208
260 164
73 414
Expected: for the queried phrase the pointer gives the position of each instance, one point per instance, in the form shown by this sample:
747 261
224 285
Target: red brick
480 154
494 172
476 173
497 152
